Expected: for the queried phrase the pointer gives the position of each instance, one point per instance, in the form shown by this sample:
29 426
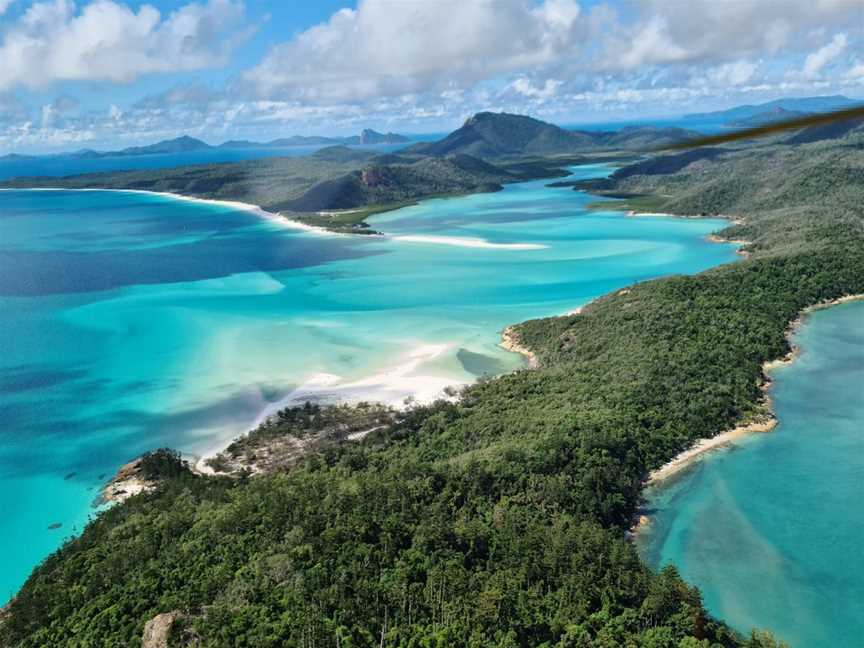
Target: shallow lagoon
131 321
770 530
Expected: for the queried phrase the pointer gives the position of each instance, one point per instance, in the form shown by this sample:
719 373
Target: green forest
500 519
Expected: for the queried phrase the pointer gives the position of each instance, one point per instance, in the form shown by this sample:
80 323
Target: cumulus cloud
733 74
55 40
856 71
385 48
814 63
524 87
712 31
417 65
392 48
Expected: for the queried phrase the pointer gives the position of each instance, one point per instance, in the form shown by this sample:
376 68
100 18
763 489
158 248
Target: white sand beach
404 380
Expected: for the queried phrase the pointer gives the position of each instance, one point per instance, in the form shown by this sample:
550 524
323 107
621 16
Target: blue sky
106 73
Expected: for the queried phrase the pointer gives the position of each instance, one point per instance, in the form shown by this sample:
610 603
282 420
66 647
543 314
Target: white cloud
4 5
386 48
733 74
417 65
719 30
54 40
823 56
393 48
524 87
856 71
650 43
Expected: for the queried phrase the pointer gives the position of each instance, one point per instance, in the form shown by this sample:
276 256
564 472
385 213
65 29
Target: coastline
398 385
510 342
277 218
393 386
725 439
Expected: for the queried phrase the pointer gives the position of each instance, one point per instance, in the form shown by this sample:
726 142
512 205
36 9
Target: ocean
770 529
131 321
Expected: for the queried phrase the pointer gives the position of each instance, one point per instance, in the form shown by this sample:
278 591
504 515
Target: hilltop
493 135
489 134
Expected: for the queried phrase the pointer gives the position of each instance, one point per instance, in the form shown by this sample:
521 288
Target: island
499 516
338 187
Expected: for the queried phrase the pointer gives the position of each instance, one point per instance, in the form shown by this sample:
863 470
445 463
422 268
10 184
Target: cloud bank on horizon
111 72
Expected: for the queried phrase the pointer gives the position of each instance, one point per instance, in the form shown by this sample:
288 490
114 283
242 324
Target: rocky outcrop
158 629
510 341
372 176
128 481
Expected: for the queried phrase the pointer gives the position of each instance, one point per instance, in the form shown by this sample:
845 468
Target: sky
111 73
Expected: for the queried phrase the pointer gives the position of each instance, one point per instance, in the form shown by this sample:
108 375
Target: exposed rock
294 432
157 630
128 481
510 341
372 176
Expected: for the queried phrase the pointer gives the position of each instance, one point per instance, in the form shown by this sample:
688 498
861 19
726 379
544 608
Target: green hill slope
384 184
494 135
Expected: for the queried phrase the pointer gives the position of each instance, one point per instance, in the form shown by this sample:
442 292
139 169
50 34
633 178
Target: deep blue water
770 530
131 321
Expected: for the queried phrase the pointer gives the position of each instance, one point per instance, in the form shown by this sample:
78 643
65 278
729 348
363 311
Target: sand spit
398 386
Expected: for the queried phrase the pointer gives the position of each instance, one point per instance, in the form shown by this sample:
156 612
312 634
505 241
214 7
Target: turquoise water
771 530
132 321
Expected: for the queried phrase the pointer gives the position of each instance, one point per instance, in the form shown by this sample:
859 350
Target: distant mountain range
487 151
775 114
185 144
794 104
490 149
491 135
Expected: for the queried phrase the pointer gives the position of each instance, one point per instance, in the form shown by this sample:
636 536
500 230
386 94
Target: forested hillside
501 519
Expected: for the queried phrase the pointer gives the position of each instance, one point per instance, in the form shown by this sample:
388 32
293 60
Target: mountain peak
489 134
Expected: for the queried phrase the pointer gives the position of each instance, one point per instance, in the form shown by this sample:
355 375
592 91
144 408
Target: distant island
185 143
795 104
775 114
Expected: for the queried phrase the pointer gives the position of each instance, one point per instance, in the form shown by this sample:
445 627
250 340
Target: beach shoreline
398 385
393 387
726 439
277 218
